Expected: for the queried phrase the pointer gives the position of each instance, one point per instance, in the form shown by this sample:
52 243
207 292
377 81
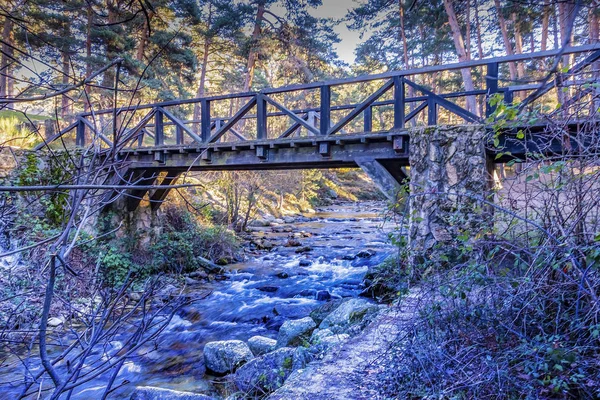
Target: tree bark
545 27
253 55
478 29
202 84
518 45
509 49
411 91
468 29
5 61
141 49
65 101
594 32
88 53
462 54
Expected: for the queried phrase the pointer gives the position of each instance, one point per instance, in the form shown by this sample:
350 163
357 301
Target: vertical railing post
325 111
368 119
431 111
159 129
80 134
205 120
508 96
491 84
178 134
261 117
399 101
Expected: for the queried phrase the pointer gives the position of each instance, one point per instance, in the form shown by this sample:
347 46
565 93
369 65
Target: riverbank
290 269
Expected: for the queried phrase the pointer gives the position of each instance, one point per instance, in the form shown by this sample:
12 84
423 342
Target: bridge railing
320 109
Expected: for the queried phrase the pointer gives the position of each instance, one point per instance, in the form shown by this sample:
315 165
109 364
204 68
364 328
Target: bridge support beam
449 178
383 179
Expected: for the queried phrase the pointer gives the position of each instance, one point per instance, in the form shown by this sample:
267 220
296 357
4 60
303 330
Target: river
337 244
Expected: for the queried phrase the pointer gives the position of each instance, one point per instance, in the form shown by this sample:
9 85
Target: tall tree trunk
478 29
88 53
468 29
65 101
5 61
508 46
462 54
566 12
518 50
141 49
555 28
253 55
545 26
411 91
594 31
566 18
202 84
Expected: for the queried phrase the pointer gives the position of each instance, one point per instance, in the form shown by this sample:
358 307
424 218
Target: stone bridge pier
449 177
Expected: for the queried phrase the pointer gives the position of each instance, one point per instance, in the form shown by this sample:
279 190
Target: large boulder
155 393
319 334
225 356
349 312
294 332
260 345
265 373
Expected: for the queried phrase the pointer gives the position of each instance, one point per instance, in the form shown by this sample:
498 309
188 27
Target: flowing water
258 296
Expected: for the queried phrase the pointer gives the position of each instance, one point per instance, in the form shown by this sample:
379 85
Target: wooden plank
234 120
261 117
491 83
134 131
292 115
399 102
205 123
325 110
416 111
139 178
159 195
237 134
461 112
159 129
573 70
368 119
53 138
361 107
100 134
179 123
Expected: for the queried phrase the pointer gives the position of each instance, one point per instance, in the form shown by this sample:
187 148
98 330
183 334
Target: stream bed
312 258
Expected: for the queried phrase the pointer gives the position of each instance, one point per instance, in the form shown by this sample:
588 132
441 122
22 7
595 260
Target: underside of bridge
382 156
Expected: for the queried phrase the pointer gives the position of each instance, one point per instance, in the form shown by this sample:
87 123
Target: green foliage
175 251
37 170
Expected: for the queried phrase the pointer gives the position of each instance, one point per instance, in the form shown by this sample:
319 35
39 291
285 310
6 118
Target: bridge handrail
365 78
393 80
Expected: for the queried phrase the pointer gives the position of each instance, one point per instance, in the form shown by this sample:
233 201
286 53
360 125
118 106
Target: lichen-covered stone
225 356
449 176
265 373
260 345
349 312
293 332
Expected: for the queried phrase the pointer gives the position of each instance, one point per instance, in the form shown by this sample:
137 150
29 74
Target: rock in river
347 313
225 356
293 332
155 393
260 345
265 373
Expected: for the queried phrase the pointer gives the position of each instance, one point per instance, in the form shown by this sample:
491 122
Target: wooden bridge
315 126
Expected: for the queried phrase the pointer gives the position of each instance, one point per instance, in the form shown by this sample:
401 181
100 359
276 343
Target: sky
339 9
